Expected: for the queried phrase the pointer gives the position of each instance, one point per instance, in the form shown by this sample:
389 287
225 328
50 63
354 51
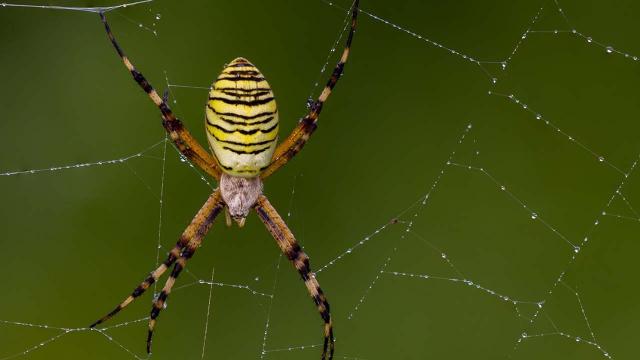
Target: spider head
240 194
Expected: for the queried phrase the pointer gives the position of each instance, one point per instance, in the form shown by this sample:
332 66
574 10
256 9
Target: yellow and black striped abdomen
242 120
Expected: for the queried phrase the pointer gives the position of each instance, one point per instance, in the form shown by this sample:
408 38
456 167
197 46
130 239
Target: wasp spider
242 128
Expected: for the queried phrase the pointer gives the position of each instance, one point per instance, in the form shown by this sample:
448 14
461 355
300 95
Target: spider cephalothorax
242 129
240 194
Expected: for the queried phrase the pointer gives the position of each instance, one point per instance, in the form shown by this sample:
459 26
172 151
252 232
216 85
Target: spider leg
187 252
299 136
180 136
196 229
289 246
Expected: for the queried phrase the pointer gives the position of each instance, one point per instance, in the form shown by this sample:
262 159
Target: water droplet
538 116
589 39
503 188
158 16
576 249
608 49
534 216
578 339
310 102
601 158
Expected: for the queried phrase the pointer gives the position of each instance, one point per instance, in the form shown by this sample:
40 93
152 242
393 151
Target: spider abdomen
242 119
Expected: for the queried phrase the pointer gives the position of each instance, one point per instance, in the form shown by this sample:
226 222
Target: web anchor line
96 10
87 164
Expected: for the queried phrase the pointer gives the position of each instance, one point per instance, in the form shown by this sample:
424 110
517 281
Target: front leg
180 136
289 246
299 136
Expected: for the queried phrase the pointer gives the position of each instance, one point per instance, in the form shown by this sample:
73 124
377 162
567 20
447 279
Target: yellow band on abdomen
242 119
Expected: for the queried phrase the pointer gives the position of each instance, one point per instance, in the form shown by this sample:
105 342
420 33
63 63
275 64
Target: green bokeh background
76 241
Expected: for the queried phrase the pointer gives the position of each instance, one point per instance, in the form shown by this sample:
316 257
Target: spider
242 128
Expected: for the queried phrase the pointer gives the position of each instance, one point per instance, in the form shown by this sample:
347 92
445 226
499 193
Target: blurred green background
77 241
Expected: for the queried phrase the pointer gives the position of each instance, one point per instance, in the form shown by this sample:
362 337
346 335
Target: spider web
489 209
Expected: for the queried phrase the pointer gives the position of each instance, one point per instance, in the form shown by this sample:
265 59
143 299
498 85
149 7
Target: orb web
511 231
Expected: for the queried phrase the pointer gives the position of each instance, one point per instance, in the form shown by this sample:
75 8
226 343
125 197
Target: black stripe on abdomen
244 132
243 102
241 116
252 152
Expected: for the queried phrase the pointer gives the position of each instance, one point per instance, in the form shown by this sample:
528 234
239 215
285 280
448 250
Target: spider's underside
242 126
